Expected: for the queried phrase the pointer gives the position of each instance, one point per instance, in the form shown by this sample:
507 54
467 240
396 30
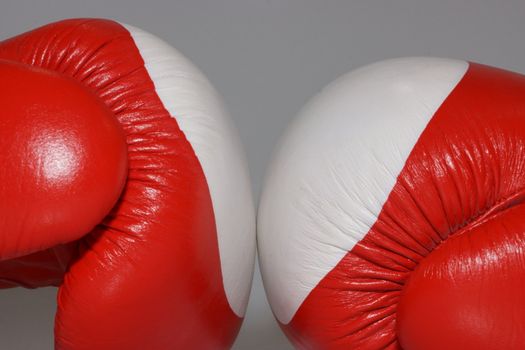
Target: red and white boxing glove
123 183
393 215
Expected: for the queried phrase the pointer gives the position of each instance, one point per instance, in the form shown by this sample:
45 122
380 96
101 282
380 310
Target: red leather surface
148 276
463 179
40 269
64 157
453 298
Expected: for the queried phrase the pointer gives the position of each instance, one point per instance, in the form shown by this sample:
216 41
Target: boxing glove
123 183
392 215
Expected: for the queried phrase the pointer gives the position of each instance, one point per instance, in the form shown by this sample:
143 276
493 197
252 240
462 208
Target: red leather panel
468 294
64 157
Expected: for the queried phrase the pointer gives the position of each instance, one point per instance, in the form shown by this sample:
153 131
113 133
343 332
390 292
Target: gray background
267 58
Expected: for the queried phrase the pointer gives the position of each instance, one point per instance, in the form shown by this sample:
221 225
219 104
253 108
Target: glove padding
135 230
393 213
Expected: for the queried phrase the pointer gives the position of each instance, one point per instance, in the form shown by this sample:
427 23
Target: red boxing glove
124 184
393 215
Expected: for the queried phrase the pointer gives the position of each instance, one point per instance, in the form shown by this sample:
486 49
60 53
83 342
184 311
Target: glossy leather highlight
64 156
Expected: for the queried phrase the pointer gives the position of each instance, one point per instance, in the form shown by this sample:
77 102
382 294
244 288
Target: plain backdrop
267 58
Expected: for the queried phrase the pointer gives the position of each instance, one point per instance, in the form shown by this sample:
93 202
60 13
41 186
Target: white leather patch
335 167
192 101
